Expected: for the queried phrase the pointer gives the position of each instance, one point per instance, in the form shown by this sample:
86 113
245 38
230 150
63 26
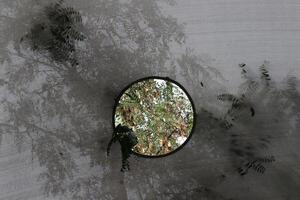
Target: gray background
225 33
229 32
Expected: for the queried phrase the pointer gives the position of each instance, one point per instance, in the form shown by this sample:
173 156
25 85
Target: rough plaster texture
225 33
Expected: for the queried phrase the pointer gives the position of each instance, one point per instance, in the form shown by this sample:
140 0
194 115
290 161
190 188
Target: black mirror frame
166 79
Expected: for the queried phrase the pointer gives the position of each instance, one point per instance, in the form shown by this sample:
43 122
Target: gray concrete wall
224 33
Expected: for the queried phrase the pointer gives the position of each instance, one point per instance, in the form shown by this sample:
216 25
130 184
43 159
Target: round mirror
160 113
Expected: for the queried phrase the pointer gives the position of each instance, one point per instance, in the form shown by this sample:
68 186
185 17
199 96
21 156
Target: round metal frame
166 79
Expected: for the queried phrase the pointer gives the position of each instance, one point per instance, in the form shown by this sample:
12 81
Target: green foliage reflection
160 114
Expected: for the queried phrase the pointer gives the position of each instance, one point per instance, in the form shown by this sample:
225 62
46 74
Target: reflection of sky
176 89
180 140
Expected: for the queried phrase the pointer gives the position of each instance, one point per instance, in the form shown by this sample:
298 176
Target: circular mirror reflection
160 113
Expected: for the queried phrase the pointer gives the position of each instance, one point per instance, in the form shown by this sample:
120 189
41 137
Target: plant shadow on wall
249 153
61 79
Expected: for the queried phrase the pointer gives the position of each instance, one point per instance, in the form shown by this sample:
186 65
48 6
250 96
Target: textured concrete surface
225 33
230 32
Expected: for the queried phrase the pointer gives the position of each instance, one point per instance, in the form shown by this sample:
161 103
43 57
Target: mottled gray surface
225 33
229 32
